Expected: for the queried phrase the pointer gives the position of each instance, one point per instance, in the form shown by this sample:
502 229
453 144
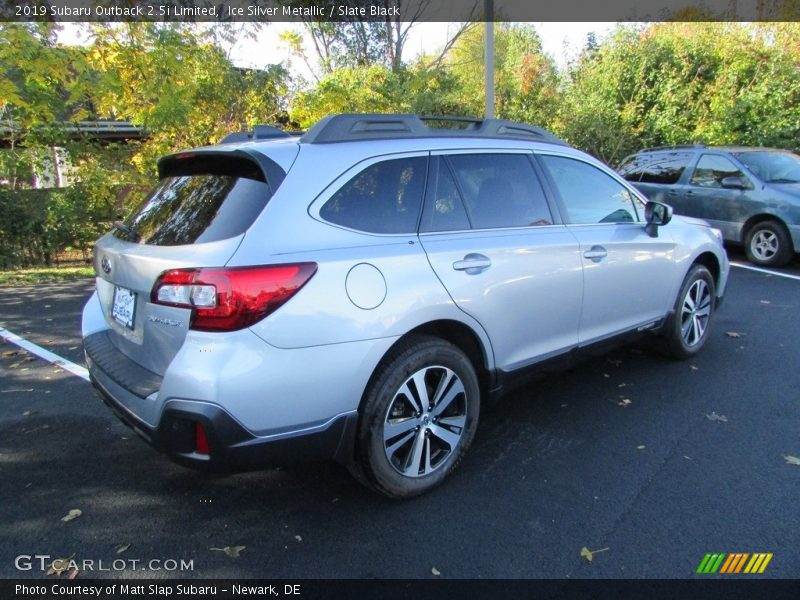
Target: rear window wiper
132 235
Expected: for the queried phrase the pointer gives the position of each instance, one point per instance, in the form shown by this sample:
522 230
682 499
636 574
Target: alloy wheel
695 312
425 421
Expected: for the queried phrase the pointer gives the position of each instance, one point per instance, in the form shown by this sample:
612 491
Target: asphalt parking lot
648 462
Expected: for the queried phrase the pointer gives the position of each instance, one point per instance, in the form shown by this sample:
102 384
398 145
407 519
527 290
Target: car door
503 257
724 208
628 276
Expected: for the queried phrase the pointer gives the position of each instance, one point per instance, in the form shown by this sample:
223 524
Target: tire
409 441
768 244
686 330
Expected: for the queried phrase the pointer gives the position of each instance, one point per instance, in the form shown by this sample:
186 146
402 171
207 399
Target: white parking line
45 354
767 271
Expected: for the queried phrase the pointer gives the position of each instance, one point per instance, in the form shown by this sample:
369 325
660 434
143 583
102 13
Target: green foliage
680 83
526 80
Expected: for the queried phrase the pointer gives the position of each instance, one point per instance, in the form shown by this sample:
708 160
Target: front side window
383 198
500 190
588 194
712 169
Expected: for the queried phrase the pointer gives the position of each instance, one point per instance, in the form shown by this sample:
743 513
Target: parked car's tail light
227 299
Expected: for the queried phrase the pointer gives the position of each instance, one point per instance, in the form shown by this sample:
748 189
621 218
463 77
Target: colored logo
737 562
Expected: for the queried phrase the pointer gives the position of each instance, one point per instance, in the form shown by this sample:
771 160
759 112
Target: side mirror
734 182
656 214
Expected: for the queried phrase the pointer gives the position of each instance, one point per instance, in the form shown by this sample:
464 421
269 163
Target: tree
679 83
526 80
362 41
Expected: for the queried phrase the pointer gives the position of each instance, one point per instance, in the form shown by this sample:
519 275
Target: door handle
473 263
596 253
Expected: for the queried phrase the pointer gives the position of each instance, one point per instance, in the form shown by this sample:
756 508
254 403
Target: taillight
229 299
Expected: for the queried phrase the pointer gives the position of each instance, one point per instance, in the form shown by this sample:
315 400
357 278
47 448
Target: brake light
224 299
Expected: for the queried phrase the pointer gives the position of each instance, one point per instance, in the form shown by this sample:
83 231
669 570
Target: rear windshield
200 201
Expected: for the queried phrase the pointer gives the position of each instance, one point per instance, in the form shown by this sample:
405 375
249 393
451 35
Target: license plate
124 308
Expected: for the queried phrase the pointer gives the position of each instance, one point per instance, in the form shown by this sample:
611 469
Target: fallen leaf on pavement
73 574
792 460
59 565
693 368
733 334
715 417
298 538
10 353
765 302
435 571
72 514
120 548
589 554
624 402
232 551
28 413
640 447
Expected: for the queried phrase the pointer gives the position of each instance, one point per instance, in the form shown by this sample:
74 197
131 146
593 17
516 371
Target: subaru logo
105 264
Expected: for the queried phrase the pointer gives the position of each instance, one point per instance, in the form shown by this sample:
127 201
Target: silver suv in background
751 194
356 293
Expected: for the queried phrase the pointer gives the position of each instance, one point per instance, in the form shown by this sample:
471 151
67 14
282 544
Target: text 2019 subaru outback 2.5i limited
355 293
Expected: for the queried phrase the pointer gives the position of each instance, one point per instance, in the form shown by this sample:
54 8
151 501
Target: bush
36 225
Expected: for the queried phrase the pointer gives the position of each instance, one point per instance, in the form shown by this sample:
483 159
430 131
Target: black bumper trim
231 447
118 367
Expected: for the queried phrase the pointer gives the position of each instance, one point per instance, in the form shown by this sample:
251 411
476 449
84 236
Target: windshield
772 166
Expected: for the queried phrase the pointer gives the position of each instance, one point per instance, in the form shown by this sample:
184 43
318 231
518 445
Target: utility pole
489 56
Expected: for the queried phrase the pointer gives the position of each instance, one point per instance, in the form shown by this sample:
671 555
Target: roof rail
678 147
353 127
260 132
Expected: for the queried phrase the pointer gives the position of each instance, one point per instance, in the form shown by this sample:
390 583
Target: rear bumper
232 447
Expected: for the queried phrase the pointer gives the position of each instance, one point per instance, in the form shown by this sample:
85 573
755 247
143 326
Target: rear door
628 276
501 253
195 217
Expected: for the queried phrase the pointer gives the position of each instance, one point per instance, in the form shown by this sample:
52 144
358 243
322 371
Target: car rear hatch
195 217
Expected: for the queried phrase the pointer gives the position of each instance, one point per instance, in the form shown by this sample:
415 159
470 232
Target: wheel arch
710 261
457 333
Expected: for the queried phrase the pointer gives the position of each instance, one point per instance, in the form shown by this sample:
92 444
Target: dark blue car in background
750 194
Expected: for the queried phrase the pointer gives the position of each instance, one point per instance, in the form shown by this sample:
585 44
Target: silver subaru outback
356 293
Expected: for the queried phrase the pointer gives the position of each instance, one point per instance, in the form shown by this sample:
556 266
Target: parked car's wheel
768 244
418 418
686 331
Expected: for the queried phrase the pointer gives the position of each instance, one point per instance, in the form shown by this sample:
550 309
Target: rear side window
664 168
200 201
383 198
500 190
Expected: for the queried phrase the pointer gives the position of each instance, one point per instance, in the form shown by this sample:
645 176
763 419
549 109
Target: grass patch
43 275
